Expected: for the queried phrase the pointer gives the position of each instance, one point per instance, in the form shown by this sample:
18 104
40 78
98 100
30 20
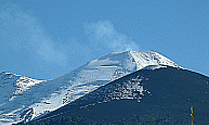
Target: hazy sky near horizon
47 39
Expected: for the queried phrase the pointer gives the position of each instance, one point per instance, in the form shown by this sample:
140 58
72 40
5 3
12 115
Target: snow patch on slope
128 89
153 67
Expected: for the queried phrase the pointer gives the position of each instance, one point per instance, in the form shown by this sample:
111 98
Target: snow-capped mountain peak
32 98
16 84
151 58
118 64
12 88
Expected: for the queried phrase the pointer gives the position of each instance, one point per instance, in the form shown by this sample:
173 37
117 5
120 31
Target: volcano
160 95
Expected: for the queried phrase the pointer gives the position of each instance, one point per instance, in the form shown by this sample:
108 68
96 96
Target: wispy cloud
103 33
22 32
26 45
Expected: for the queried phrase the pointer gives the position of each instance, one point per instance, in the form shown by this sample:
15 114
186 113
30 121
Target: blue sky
46 39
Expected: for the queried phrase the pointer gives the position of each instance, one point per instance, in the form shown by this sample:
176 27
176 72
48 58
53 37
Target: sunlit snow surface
23 99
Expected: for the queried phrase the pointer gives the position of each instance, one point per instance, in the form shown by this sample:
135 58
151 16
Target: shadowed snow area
24 99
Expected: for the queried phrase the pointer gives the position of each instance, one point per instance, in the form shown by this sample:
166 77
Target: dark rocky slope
165 95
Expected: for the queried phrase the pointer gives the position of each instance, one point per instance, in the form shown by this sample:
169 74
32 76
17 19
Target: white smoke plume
104 34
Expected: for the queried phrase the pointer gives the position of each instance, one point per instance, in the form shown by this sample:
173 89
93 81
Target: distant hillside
149 96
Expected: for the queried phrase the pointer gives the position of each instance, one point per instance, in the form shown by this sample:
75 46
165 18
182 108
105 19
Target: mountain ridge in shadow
168 93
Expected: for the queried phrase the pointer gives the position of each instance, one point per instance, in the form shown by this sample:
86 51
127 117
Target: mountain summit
36 98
